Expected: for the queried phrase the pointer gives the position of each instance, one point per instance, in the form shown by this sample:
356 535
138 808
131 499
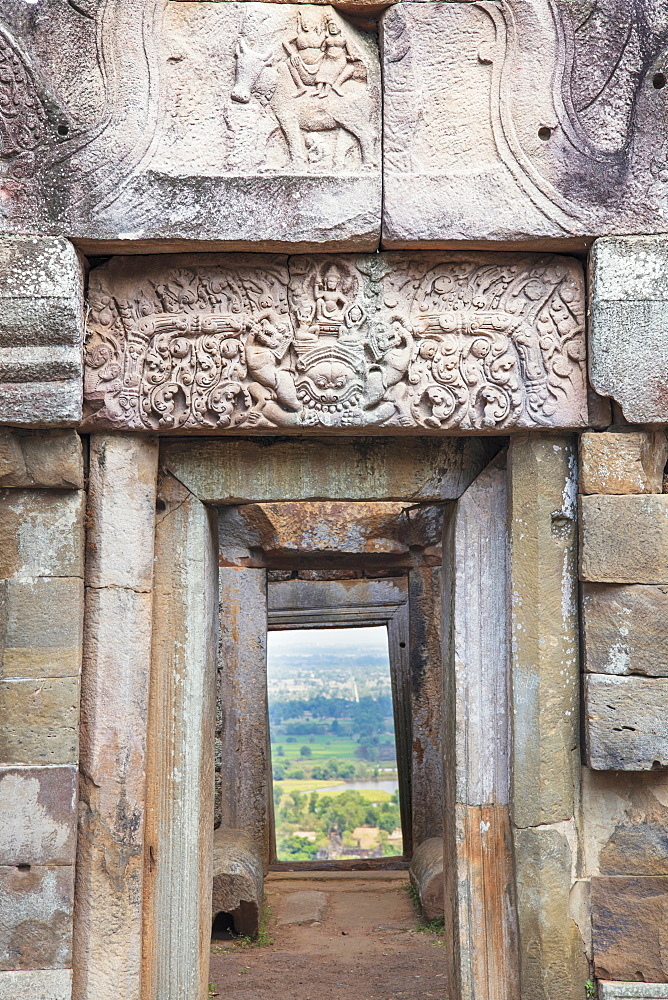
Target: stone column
545 687
479 900
245 777
114 716
426 685
41 616
180 767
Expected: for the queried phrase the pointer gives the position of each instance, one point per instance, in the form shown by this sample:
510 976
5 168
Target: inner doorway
334 757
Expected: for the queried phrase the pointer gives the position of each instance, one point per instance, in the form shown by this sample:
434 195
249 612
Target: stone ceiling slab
392 343
146 122
531 121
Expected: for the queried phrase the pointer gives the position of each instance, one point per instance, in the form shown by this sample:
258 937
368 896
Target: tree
305 752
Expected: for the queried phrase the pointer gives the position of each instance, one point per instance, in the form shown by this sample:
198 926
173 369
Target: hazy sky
345 639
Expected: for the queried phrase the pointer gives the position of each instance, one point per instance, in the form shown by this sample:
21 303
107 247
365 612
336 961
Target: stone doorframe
511 739
301 604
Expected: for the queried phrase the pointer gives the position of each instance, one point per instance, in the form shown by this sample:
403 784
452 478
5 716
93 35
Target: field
290 785
322 748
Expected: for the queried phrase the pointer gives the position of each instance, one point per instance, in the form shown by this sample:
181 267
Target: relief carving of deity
439 342
316 87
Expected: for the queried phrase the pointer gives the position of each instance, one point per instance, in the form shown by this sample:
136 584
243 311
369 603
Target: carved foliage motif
23 120
450 341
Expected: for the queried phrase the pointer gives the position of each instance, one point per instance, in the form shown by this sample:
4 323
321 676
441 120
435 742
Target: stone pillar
426 672
545 712
41 616
479 900
245 777
114 716
180 767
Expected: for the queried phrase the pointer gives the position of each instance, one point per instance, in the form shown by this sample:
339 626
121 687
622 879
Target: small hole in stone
23 868
402 645
222 928
63 130
160 505
659 81
544 133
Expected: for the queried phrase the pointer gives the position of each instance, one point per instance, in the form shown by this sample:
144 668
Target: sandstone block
41 533
629 324
41 326
38 819
497 129
238 880
45 984
279 147
123 474
629 928
36 917
624 539
624 629
625 722
50 459
229 471
632 991
552 951
625 817
41 624
427 878
40 721
306 907
623 462
438 342
545 673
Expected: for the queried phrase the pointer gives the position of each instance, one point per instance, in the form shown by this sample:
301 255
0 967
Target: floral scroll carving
440 342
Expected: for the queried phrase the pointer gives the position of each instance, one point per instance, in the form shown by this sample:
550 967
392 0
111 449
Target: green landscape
332 728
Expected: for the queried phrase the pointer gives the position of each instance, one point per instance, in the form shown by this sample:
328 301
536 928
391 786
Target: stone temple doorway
477 525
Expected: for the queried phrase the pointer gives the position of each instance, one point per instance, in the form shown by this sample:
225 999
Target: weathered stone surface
419 469
41 533
368 602
624 539
427 878
243 726
41 621
545 669
158 149
516 122
41 323
180 760
306 907
50 459
36 917
238 880
299 533
437 342
38 816
624 629
630 929
427 702
553 961
628 332
623 462
625 722
40 721
625 823
46 984
480 912
114 716
123 471
632 991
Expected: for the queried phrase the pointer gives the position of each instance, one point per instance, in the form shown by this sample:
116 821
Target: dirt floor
334 936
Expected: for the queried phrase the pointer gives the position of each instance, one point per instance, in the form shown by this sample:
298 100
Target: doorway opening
333 747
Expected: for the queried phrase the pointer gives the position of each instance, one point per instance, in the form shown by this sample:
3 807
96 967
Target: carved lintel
431 342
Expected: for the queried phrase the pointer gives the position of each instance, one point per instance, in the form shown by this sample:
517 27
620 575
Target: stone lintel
384 344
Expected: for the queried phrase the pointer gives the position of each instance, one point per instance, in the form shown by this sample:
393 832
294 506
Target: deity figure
330 303
341 62
266 349
306 51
